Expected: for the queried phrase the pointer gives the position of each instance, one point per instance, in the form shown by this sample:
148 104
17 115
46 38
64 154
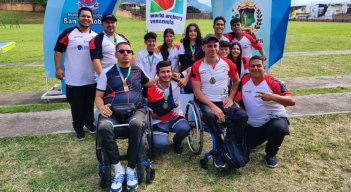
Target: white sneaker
132 179
117 182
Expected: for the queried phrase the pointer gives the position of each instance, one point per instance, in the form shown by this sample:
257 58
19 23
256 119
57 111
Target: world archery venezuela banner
267 19
60 15
162 14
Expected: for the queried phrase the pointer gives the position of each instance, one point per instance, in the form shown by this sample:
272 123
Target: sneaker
91 128
271 161
132 179
117 183
80 136
218 161
178 147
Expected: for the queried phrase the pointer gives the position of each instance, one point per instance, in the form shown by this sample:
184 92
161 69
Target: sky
295 2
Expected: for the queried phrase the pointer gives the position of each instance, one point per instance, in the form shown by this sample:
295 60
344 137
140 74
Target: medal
192 48
125 87
165 105
193 58
124 80
212 80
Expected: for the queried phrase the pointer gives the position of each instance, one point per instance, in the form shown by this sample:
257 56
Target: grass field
315 157
301 36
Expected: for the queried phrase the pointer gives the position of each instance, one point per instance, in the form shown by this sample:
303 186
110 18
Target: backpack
235 154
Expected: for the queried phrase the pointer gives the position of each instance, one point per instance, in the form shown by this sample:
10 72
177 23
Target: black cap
208 38
108 17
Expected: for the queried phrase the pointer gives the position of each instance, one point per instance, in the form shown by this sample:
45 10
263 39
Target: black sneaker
178 147
80 136
271 161
91 128
219 161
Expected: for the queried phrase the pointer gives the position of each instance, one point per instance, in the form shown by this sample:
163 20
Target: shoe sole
120 190
272 166
132 187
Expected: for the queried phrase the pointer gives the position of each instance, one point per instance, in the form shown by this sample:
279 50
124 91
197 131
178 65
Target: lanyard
210 67
109 37
124 80
150 62
192 48
165 91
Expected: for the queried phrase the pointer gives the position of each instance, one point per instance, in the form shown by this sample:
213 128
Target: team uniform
148 63
173 57
110 82
267 119
217 90
79 76
170 115
104 48
247 42
223 38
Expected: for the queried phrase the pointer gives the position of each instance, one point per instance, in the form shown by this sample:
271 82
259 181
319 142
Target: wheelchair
195 139
145 153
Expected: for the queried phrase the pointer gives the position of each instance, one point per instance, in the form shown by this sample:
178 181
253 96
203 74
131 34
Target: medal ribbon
210 67
115 42
150 61
124 80
192 48
165 91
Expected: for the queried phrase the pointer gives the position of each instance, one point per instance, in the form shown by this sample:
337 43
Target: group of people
219 69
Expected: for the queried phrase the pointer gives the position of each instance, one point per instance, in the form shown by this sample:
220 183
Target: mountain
203 7
195 3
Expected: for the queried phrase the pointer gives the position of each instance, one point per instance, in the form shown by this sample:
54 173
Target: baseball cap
108 17
208 38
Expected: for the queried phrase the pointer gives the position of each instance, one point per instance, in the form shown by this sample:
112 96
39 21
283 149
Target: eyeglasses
122 51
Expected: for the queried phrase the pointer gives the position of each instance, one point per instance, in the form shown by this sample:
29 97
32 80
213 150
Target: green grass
301 92
33 107
313 66
22 79
314 157
23 17
317 36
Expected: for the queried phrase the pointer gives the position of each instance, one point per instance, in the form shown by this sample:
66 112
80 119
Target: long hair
186 41
164 48
237 61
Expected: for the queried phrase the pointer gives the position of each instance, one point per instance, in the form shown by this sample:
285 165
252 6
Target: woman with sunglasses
189 52
235 55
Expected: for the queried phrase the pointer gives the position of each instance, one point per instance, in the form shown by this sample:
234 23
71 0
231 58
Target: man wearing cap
246 39
78 71
102 47
210 79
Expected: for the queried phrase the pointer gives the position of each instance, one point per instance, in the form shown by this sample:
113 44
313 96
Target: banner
60 15
163 14
267 19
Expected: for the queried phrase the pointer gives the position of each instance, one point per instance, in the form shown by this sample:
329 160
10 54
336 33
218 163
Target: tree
191 9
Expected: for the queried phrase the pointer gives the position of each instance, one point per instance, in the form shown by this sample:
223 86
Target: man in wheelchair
119 100
163 98
210 77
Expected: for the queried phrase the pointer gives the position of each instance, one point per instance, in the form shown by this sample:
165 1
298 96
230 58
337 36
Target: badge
126 89
165 105
193 58
212 80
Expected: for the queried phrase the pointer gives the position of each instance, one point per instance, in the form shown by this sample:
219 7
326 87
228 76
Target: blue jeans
179 126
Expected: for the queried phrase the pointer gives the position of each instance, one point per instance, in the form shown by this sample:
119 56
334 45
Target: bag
235 153
123 110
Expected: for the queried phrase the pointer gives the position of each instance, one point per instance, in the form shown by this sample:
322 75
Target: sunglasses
122 51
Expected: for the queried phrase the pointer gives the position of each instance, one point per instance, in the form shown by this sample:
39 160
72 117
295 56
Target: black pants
81 100
107 135
236 119
273 132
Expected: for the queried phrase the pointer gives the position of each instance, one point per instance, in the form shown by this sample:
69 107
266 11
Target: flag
267 19
163 14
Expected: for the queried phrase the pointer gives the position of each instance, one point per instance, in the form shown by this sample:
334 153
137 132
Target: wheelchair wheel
195 138
104 176
148 134
150 175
